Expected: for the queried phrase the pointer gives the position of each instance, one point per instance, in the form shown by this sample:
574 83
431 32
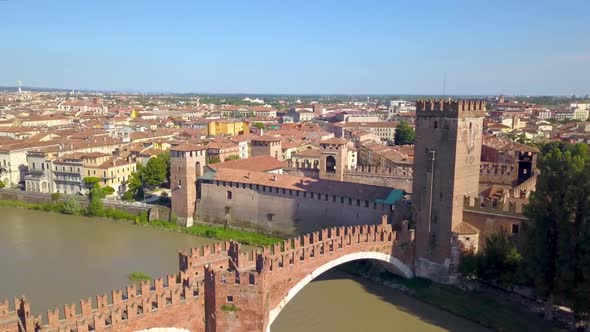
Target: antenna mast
445 85
19 85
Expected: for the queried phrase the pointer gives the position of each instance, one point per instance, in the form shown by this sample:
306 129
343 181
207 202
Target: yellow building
230 128
112 172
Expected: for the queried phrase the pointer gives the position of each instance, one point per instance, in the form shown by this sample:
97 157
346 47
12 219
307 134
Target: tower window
330 164
229 194
470 124
435 124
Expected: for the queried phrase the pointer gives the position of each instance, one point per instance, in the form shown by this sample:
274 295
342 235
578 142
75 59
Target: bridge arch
404 270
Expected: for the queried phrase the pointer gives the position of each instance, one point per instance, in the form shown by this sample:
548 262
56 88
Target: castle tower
333 159
446 167
186 166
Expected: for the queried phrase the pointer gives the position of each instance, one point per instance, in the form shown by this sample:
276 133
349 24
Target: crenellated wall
498 173
491 217
476 204
169 302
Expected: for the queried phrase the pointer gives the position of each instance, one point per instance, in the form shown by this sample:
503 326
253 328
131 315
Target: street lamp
142 188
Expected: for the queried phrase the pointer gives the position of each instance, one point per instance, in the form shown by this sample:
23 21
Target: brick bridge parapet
220 287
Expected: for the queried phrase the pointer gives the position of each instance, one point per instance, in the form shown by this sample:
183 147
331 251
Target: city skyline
376 48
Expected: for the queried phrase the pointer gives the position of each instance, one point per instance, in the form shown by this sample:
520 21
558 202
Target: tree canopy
91 181
157 170
558 253
404 134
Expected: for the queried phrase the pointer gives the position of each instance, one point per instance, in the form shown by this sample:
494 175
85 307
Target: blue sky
312 46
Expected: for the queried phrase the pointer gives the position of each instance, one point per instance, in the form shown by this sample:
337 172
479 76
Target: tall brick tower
446 167
333 159
186 165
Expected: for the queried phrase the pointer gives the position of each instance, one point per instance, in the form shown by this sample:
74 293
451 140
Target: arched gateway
220 288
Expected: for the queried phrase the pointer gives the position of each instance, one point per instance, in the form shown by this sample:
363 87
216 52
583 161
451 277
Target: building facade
229 128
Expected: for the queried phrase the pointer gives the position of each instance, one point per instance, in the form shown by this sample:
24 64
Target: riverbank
212 232
475 306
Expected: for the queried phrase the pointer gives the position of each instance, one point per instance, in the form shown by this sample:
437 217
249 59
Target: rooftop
305 184
264 163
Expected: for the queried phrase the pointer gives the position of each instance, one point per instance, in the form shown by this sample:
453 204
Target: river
55 259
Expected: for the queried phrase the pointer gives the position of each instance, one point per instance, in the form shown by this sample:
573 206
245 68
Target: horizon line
7 88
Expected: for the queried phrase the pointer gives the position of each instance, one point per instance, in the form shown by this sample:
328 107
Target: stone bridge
221 288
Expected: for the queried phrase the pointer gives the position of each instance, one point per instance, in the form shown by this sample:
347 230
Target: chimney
249 175
274 178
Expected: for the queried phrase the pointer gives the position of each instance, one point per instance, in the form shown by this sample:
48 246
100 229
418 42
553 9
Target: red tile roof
264 163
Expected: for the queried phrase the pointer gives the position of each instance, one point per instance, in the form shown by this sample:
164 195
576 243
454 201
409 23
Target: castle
447 167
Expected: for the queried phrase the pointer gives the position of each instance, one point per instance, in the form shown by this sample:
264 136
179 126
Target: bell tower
447 155
186 166
333 159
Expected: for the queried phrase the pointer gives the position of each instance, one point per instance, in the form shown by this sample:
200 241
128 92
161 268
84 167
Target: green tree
259 125
134 186
559 246
55 197
108 191
404 134
232 157
498 262
96 207
90 181
157 170
72 206
2 185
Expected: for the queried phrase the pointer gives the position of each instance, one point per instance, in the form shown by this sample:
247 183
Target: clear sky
286 46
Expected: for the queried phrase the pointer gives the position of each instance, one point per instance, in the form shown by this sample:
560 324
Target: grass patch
229 308
218 233
139 277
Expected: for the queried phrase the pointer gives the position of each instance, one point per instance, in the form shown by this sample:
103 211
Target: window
229 194
229 298
227 209
515 228
435 124
270 217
